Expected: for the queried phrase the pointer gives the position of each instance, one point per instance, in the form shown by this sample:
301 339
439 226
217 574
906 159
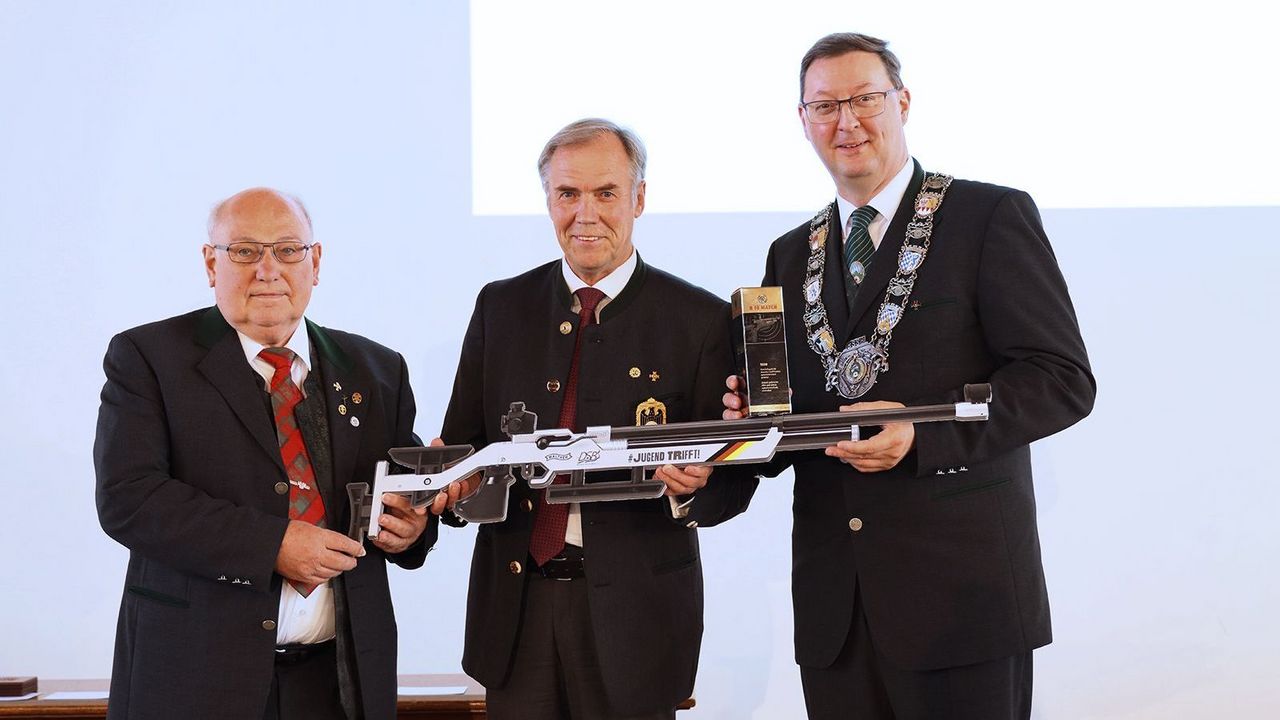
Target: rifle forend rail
538 456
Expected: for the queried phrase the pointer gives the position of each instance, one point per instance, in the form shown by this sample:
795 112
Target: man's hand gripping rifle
540 455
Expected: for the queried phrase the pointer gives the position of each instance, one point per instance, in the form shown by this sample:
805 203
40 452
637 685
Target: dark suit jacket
187 465
948 557
644 574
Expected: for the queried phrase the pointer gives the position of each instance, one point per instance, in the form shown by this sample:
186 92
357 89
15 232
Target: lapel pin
357 398
635 372
355 421
565 328
337 387
653 376
858 271
342 410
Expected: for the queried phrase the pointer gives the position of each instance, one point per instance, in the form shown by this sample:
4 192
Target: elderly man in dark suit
917 581
593 612
225 440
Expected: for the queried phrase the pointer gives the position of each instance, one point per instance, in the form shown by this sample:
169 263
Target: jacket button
282 488
514 567
268 624
553 385
526 505
855 524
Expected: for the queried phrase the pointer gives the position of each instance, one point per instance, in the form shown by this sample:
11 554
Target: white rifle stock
539 455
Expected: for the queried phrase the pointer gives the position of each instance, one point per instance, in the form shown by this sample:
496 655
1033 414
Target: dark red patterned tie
305 503
550 521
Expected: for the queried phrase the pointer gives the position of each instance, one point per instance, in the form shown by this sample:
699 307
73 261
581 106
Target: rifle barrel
800 432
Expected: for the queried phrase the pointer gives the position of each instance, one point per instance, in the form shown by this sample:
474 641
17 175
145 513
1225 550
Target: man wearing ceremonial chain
917 581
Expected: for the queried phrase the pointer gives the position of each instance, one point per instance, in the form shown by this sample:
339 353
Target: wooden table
466 706
441 707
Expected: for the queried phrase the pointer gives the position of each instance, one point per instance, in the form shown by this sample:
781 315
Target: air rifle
538 456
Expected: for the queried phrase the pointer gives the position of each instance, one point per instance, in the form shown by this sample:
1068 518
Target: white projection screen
411 130
1038 99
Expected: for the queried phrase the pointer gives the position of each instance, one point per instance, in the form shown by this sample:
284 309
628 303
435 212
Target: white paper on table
433 690
76 695
28 696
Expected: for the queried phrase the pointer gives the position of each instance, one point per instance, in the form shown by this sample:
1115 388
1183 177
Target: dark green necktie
858 249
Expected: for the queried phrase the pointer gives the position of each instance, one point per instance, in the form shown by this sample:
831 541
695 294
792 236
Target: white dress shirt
302 619
885 202
610 285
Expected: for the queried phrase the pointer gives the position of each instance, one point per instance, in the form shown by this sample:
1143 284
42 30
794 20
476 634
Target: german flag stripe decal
732 450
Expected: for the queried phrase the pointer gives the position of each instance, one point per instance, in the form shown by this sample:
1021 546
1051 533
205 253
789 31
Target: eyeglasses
248 253
863 106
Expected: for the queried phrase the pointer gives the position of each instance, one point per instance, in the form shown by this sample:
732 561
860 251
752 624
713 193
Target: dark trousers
555 674
862 685
305 686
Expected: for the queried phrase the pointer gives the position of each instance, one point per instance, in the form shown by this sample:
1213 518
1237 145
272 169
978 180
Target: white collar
886 201
610 284
300 344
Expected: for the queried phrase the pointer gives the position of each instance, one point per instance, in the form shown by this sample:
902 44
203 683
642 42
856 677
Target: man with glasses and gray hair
593 611
917 583
226 438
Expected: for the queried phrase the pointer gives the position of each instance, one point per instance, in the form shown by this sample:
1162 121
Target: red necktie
305 503
550 521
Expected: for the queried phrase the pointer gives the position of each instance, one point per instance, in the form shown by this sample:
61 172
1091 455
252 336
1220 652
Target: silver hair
587 129
215 213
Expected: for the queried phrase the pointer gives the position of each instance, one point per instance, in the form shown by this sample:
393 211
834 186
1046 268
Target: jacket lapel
225 368
833 273
342 383
884 264
628 293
